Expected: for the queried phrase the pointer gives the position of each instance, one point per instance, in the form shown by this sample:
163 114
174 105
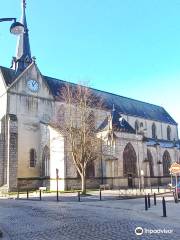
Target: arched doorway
166 163
129 164
46 162
150 160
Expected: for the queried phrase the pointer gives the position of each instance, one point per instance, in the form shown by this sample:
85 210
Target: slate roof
122 104
162 143
118 124
8 74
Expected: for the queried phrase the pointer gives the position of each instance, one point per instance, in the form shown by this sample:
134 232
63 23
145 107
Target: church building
144 136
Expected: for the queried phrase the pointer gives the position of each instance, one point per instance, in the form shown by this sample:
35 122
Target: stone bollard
149 201
145 200
154 198
164 207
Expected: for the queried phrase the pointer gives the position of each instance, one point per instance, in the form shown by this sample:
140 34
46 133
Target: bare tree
79 126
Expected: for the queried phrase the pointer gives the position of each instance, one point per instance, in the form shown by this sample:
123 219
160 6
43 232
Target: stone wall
3 163
12 152
75 183
29 183
1 159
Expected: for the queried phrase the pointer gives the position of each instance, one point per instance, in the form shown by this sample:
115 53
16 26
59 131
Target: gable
24 82
51 88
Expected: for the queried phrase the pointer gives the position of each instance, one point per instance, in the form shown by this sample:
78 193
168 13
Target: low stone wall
29 183
75 183
70 183
91 183
122 182
155 181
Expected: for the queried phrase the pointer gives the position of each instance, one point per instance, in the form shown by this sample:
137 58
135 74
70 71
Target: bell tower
23 52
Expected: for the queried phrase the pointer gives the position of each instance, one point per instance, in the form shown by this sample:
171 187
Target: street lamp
16 28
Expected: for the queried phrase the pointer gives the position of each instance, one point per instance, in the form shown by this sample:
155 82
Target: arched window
168 133
129 161
166 163
136 126
90 171
150 160
32 157
153 130
46 162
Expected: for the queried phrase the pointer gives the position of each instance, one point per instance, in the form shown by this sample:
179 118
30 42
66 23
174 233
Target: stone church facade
139 140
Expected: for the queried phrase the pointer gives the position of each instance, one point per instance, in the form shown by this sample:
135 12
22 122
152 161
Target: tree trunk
83 184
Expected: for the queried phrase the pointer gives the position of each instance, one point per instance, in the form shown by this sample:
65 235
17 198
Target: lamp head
17 28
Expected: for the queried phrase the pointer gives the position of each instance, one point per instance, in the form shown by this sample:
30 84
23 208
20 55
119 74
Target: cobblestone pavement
93 220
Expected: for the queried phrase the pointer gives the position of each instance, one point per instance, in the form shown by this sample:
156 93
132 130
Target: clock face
33 85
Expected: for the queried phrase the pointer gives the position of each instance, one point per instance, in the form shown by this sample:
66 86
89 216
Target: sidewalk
95 193
154 213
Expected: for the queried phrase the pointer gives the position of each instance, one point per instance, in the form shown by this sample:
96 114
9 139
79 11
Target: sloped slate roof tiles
8 74
123 105
118 124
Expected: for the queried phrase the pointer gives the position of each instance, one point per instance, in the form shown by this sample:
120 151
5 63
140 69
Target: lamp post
16 28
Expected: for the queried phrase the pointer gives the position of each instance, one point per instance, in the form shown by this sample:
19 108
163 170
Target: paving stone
109 220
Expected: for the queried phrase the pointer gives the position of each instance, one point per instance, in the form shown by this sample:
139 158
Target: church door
130 181
166 163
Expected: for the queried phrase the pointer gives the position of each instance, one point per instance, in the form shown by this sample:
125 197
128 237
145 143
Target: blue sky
128 47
